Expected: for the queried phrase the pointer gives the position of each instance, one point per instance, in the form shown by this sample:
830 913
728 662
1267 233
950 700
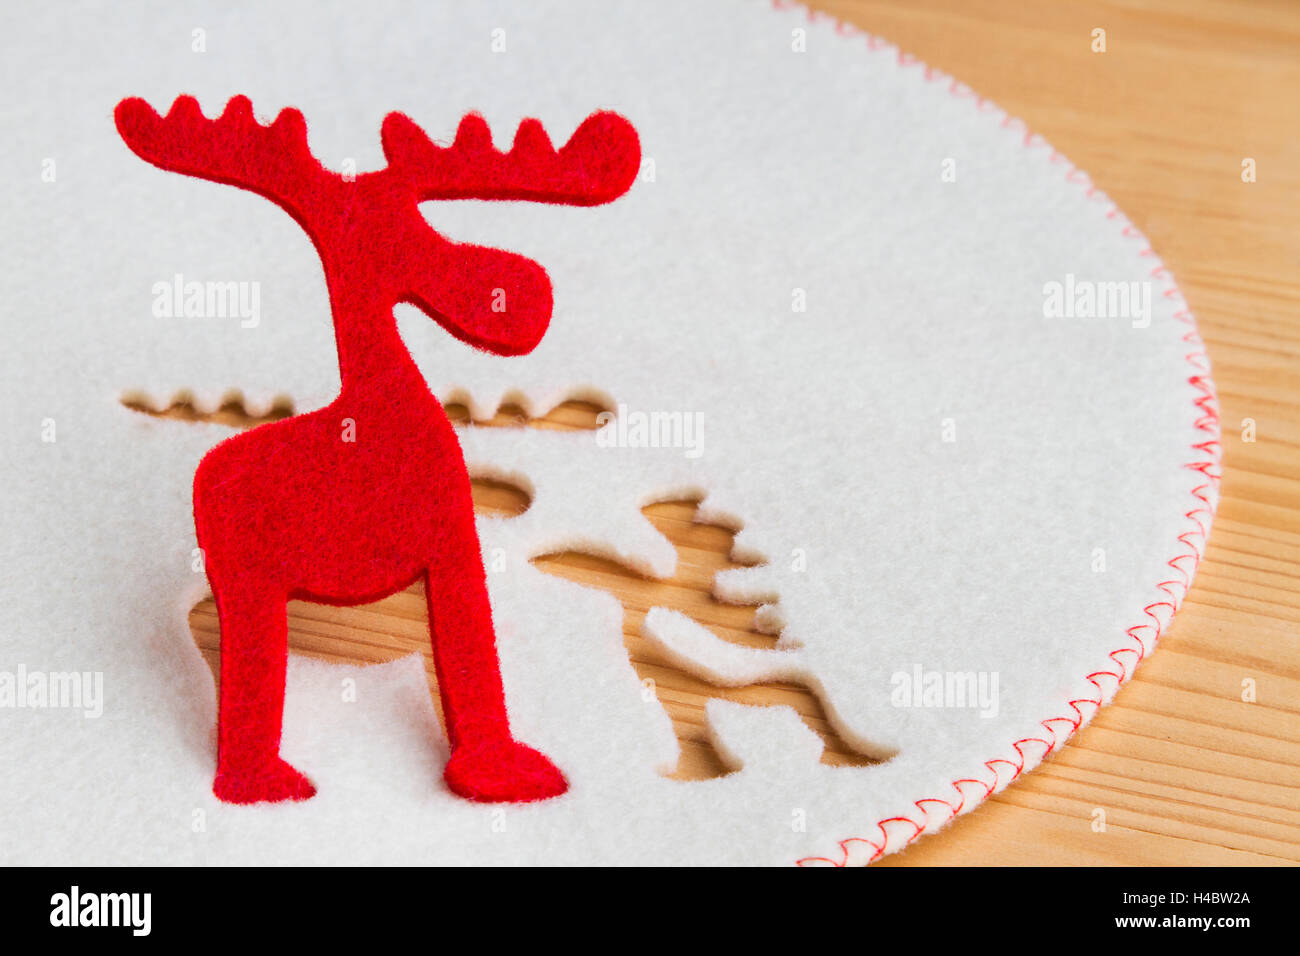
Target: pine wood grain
1185 770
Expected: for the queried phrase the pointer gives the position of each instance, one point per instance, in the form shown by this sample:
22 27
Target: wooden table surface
1185 770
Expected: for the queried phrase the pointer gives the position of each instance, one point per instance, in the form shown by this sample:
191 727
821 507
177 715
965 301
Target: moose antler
235 148
596 165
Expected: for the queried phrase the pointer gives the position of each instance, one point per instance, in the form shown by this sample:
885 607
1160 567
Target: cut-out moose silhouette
353 502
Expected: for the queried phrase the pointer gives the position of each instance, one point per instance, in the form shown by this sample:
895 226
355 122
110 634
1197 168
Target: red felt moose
357 500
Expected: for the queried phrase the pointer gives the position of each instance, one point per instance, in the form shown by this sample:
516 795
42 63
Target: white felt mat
943 478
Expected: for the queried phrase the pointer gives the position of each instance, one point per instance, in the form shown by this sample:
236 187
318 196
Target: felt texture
352 502
765 171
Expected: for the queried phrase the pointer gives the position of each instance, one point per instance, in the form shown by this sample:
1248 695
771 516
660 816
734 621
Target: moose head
492 299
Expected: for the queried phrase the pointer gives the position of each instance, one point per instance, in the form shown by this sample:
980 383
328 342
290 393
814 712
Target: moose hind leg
487 764
254 660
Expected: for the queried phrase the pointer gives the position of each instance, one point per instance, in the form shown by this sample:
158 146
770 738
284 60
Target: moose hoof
266 783
506 772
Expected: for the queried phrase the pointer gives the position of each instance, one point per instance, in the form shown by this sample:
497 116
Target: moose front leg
487 764
254 659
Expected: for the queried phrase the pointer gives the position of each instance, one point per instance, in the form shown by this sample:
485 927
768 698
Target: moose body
357 500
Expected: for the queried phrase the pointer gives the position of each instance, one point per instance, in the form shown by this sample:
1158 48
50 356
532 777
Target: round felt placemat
848 276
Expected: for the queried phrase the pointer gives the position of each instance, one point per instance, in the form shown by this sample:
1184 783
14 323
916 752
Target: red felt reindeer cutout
357 500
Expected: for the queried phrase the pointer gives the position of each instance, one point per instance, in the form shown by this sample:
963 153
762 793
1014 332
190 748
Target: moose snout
495 300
